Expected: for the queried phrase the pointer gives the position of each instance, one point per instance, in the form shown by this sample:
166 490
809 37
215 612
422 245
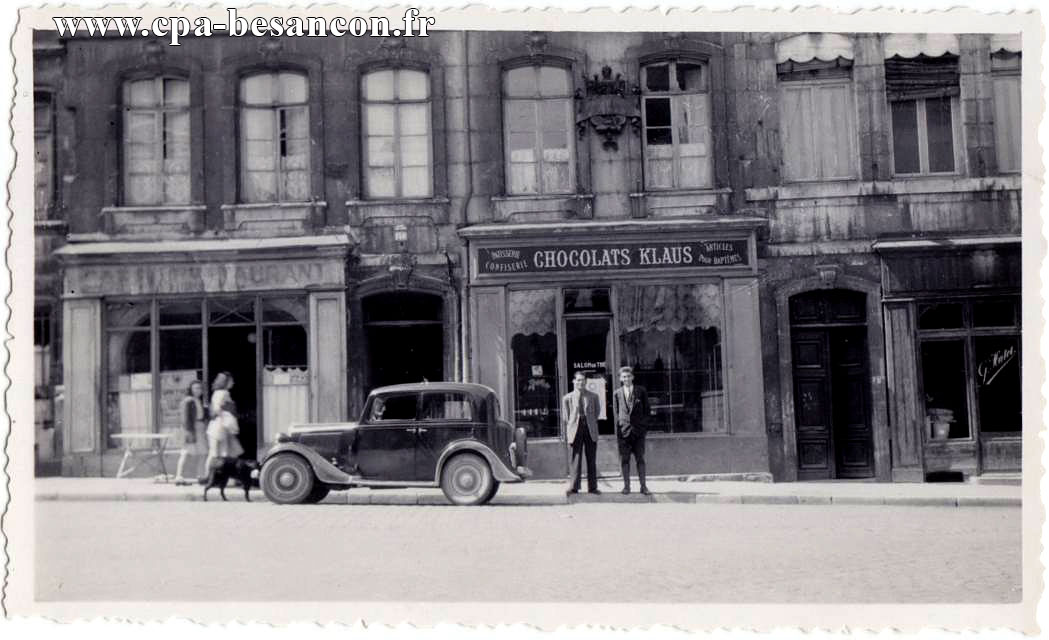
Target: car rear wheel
466 480
287 479
492 492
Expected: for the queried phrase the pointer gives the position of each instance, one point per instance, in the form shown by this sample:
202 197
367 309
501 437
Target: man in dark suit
630 412
579 410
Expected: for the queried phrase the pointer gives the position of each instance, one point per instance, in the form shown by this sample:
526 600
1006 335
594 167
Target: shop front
677 301
953 346
143 321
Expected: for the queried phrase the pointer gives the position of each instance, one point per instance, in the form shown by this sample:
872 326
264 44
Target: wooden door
852 437
812 403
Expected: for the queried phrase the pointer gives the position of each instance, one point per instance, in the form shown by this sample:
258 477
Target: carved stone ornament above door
608 106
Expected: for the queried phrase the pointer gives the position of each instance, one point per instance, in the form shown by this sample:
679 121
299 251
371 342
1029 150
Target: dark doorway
831 387
233 349
404 332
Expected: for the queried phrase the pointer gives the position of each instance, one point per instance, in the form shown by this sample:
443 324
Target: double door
832 403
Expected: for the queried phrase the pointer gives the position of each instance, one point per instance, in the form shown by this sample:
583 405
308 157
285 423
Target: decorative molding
536 42
608 105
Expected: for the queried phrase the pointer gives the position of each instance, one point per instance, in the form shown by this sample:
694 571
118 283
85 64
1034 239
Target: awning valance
912 45
1010 42
921 77
533 312
806 47
669 307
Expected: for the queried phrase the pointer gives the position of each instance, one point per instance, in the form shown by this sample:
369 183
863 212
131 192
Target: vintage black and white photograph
397 307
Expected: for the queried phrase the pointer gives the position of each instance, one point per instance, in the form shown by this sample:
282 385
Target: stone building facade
778 232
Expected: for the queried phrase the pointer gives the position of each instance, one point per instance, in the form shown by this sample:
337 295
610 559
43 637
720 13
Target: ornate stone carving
536 42
270 49
154 53
609 104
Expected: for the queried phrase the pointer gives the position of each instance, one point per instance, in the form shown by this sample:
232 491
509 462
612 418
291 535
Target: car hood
322 427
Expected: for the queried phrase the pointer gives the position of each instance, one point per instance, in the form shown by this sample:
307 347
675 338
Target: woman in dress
223 428
192 433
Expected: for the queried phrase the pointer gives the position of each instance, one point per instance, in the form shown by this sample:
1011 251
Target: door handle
419 430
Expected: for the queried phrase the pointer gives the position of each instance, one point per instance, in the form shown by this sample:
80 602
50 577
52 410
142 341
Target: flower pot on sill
940 423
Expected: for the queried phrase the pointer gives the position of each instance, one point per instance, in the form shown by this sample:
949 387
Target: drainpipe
464 312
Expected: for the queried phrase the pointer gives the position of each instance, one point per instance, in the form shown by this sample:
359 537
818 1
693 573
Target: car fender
325 471
500 471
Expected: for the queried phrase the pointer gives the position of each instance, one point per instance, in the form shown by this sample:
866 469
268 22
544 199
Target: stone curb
672 497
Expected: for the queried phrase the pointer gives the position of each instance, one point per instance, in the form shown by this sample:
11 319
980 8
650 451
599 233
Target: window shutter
921 77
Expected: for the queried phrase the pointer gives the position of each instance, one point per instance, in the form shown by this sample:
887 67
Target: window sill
543 208
676 203
154 221
267 219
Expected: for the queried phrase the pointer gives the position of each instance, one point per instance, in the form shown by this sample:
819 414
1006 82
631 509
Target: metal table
159 442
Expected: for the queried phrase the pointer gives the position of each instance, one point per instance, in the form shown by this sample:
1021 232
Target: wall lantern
402 263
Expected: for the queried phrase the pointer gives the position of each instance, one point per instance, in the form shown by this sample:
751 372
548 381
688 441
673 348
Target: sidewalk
710 490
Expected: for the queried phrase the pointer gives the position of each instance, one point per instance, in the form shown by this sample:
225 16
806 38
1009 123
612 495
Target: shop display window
998 384
671 336
943 377
533 343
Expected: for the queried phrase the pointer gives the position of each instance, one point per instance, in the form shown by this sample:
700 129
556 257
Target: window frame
1011 73
813 85
537 100
277 108
396 103
160 130
957 132
674 96
45 212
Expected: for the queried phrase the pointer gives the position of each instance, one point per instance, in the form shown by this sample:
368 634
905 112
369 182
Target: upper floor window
537 131
676 119
156 141
398 153
275 137
923 100
1005 69
43 153
816 110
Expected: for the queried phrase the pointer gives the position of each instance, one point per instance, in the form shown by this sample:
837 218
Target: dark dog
243 471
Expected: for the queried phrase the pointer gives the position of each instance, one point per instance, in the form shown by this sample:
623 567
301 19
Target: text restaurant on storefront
143 320
677 301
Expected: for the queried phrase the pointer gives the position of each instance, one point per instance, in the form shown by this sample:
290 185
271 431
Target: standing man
630 408
579 410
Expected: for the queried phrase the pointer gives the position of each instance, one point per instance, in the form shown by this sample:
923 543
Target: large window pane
940 133
285 374
129 402
1007 123
181 362
945 384
905 136
538 131
43 153
533 343
274 137
671 336
156 141
998 384
397 134
677 136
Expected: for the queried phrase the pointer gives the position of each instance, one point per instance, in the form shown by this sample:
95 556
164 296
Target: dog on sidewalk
244 471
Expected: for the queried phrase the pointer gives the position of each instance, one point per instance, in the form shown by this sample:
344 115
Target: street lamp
401 264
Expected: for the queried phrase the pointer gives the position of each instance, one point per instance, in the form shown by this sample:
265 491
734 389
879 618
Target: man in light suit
630 412
579 410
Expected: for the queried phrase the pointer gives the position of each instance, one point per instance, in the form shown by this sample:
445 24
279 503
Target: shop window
285 372
533 343
446 406
923 99
995 313
538 131
998 384
940 316
816 113
180 313
181 361
675 116
156 141
43 153
129 384
945 384
275 137
1005 69
398 154
671 336
231 311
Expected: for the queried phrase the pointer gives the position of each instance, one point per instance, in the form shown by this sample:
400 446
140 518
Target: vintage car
445 434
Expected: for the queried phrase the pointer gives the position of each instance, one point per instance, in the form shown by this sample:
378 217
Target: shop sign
616 256
230 277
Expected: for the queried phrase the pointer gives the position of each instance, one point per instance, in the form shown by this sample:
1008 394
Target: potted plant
940 422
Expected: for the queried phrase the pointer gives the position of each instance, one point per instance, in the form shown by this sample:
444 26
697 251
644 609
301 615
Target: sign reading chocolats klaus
613 256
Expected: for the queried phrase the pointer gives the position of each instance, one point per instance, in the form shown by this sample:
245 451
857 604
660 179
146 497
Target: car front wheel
466 480
287 479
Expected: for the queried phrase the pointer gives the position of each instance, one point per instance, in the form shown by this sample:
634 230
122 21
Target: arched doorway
404 333
832 396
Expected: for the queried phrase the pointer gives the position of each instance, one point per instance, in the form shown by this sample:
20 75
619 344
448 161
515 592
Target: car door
444 417
386 438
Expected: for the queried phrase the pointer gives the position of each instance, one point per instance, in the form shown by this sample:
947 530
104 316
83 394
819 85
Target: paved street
594 552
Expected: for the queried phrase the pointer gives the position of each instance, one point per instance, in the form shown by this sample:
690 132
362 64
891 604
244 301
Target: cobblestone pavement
582 552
